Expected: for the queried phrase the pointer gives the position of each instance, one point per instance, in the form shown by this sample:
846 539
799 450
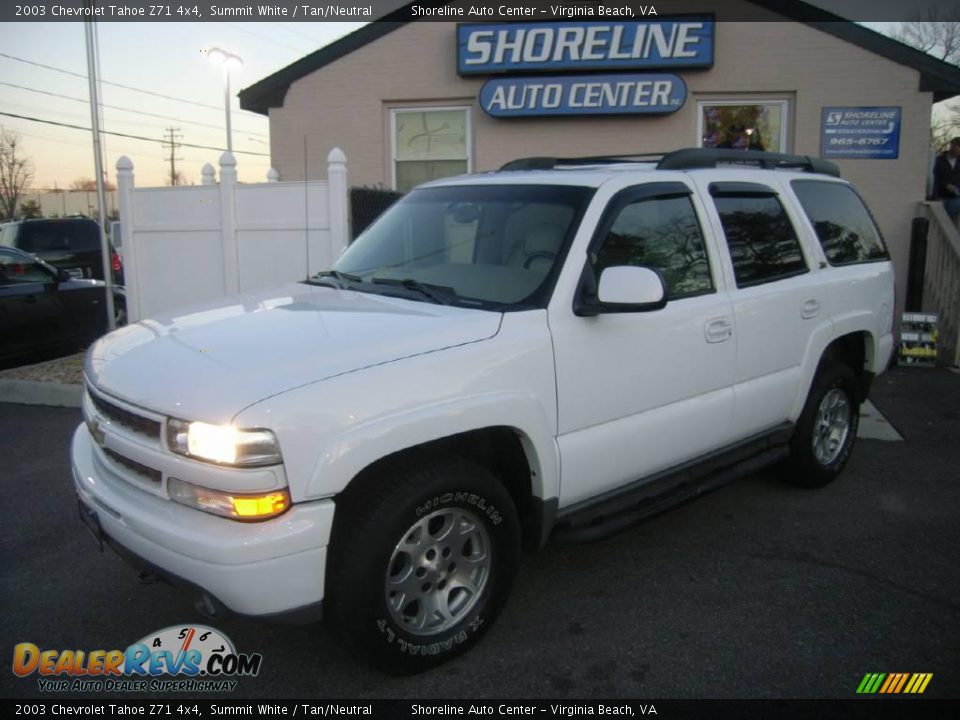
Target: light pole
227 60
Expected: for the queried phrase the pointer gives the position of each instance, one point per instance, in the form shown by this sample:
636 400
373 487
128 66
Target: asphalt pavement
759 590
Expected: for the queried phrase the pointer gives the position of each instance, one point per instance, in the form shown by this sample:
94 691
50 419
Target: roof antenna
306 215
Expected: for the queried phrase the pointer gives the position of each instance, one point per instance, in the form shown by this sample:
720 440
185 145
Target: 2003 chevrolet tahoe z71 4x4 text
558 347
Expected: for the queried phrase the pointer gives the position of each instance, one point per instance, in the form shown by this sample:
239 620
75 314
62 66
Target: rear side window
763 244
842 222
78 236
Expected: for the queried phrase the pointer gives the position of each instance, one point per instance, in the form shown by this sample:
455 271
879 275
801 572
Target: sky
163 59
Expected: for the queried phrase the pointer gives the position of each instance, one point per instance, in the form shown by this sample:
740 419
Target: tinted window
663 234
80 236
762 242
842 222
16 268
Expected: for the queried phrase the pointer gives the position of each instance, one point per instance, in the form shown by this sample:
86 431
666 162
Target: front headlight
261 506
223 444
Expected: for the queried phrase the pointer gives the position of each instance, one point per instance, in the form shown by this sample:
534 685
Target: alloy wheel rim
831 426
438 571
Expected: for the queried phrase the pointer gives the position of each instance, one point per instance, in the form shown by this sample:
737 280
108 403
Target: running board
613 513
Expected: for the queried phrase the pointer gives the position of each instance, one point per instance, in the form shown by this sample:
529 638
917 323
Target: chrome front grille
129 420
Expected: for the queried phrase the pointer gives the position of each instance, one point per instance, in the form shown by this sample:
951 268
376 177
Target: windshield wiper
341 279
437 293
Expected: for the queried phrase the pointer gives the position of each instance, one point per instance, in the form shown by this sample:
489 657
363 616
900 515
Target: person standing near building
946 179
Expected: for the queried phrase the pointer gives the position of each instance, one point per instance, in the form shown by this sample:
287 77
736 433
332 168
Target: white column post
131 276
337 194
228 223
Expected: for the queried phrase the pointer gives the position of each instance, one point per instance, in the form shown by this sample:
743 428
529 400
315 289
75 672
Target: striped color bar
894 683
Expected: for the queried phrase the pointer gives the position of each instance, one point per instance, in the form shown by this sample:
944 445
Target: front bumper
271 568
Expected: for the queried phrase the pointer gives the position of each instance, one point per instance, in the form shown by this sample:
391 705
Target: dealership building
411 100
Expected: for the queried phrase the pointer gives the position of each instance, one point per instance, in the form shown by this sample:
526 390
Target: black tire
414 501
806 467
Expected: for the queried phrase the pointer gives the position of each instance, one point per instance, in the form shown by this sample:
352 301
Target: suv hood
210 362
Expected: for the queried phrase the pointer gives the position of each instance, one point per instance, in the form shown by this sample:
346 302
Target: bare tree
88 185
30 209
932 34
16 170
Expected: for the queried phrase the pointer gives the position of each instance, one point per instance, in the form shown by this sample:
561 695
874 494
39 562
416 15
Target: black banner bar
204 707
438 11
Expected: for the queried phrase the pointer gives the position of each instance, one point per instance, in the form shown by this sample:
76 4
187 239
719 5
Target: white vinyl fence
183 245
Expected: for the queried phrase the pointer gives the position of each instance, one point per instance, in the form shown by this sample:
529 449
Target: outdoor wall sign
583 95
868 133
502 48
580 49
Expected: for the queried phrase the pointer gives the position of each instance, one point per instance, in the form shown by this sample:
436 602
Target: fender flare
350 452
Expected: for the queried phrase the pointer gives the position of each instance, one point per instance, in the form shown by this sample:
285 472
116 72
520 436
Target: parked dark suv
71 244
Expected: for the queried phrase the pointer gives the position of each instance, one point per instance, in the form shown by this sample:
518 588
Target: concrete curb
32 392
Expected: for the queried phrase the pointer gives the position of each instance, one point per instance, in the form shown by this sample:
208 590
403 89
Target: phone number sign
867 133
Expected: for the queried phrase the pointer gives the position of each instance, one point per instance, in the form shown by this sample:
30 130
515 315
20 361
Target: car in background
43 309
71 244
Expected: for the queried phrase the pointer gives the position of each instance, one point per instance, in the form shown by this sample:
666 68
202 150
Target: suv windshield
497 246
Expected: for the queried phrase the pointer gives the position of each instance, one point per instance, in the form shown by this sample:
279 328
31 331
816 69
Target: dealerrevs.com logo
180 658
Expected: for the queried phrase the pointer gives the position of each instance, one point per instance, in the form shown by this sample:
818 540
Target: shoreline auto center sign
539 48
867 133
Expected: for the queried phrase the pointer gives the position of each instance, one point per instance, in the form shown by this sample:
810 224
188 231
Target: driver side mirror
63 276
624 288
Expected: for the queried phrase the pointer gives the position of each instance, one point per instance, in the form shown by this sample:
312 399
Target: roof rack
693 158
549 163
687 159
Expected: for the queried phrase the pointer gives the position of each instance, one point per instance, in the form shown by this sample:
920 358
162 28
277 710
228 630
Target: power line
124 135
263 37
313 40
107 82
123 109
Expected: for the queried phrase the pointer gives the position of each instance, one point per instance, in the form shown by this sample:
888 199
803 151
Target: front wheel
827 428
421 561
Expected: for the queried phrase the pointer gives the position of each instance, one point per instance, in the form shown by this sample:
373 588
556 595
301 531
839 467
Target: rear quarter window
844 226
78 236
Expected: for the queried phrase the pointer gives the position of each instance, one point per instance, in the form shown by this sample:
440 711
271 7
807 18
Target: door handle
718 330
810 309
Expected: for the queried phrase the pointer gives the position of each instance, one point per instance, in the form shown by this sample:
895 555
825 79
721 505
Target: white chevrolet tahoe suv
557 348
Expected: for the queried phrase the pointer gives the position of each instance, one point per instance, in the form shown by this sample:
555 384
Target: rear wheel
421 562
827 428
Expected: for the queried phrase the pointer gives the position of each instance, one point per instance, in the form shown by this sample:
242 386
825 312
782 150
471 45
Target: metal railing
941 280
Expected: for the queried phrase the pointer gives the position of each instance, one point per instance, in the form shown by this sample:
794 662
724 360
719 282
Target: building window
429 143
743 125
